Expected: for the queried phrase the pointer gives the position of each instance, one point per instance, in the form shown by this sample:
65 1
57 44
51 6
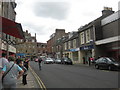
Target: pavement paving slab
31 82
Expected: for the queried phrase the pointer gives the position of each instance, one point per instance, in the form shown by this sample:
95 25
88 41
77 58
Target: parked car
66 60
107 63
48 61
58 61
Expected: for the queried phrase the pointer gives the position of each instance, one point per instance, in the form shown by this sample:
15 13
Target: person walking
83 60
40 63
24 80
89 61
3 62
11 72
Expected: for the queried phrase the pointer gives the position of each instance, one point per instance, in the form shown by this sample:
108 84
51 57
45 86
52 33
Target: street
75 76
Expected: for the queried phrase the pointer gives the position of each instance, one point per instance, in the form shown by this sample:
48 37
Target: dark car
107 63
67 61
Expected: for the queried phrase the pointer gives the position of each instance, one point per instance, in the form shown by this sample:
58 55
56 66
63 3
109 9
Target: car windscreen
111 59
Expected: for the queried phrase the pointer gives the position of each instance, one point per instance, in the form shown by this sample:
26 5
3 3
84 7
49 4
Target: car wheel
96 66
110 68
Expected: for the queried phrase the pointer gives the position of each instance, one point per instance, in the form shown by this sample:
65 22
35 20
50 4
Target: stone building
51 43
42 49
29 47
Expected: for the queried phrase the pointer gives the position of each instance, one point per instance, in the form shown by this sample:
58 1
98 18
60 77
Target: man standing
3 62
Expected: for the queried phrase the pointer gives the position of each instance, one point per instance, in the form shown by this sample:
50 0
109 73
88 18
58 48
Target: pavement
31 81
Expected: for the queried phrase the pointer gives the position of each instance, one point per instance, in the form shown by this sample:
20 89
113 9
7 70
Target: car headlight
116 64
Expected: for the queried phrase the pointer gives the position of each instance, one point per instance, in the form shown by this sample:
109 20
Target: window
65 45
69 43
33 46
74 43
88 36
33 40
82 38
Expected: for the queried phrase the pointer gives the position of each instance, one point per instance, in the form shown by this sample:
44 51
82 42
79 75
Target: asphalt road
75 76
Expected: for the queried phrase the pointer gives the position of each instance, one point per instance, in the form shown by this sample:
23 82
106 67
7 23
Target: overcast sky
44 16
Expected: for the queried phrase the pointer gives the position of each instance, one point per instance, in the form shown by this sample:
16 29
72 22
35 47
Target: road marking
41 84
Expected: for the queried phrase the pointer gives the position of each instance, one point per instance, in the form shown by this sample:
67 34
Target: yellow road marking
41 84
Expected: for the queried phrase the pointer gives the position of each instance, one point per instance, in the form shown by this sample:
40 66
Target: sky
43 17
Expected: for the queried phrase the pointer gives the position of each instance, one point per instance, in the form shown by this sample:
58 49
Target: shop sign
12 49
20 54
86 47
4 46
73 50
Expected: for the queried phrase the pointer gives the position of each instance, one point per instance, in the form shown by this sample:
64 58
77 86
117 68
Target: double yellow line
41 84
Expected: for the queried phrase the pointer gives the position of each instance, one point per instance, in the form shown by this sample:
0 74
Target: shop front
86 52
109 47
74 55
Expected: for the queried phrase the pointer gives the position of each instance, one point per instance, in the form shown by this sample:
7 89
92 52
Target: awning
11 28
107 40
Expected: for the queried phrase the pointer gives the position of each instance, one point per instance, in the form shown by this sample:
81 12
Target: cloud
44 16
55 10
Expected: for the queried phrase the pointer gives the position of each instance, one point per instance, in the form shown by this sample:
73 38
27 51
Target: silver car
49 61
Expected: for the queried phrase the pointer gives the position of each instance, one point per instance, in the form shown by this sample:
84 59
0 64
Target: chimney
107 11
35 35
26 31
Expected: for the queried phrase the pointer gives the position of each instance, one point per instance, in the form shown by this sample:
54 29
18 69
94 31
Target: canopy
11 28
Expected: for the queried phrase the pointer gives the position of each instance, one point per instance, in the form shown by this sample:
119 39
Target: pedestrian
26 63
89 61
11 72
83 60
40 63
24 80
18 60
3 62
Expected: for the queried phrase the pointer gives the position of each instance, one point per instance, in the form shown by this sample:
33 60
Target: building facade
51 43
42 49
90 33
7 39
29 47
111 34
